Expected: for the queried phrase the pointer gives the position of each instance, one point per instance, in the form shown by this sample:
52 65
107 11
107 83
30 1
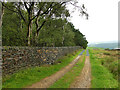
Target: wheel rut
84 79
48 81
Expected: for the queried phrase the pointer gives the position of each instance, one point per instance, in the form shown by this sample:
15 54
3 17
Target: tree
60 32
36 11
1 14
68 35
51 34
79 38
45 11
13 32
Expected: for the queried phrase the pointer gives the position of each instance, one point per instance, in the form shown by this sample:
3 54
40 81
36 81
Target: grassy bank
102 77
94 48
70 76
31 75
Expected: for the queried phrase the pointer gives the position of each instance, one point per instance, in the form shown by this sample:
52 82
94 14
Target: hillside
105 45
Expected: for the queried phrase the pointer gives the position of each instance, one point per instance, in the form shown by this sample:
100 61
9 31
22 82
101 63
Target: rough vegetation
104 68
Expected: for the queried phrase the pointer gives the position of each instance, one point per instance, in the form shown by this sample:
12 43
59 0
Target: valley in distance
106 45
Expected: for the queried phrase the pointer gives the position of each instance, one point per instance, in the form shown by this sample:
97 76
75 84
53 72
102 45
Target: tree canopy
39 24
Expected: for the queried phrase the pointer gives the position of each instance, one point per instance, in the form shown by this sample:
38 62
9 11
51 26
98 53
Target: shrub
106 53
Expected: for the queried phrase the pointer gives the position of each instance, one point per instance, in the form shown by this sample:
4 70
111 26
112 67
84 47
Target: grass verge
29 76
70 76
101 76
94 48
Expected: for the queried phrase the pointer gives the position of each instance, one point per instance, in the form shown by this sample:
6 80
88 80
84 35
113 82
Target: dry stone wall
16 58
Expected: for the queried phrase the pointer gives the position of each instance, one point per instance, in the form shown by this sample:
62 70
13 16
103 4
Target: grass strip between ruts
70 76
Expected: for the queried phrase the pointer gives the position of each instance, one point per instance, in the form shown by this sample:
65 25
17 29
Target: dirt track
84 80
48 81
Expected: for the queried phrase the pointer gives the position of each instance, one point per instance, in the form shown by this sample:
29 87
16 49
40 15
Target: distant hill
105 45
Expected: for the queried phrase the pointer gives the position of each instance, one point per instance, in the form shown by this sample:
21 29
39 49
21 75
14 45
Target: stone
16 58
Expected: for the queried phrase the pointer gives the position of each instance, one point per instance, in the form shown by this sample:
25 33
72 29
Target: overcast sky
103 20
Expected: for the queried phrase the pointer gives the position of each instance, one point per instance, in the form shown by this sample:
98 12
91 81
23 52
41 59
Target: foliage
79 38
49 28
51 34
12 33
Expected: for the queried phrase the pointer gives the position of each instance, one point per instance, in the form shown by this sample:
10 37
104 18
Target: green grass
94 48
0 82
70 76
29 76
101 76
119 73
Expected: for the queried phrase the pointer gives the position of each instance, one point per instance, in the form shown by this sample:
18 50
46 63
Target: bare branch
38 13
25 3
22 16
47 9
41 26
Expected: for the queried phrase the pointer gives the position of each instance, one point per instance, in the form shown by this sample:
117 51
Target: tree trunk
63 41
1 14
28 34
29 26
63 37
37 27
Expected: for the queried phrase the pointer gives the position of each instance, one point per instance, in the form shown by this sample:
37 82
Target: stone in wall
16 58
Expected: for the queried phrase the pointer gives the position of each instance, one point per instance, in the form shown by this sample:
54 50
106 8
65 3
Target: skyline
102 24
